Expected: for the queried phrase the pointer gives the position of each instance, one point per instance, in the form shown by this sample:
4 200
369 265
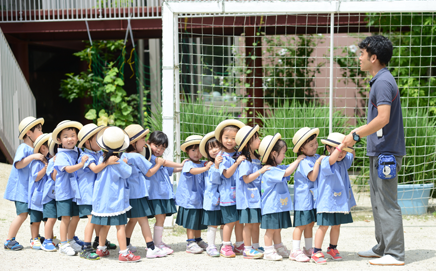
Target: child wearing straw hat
189 195
110 200
138 197
225 133
17 188
210 147
334 197
305 145
276 199
248 190
66 185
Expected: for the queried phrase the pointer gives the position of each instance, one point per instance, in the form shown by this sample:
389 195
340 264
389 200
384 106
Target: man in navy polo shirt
385 135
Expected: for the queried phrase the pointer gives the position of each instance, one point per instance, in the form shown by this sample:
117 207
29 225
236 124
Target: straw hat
40 141
191 140
51 145
203 142
136 132
28 123
226 123
334 140
87 132
113 139
146 152
267 145
244 135
62 125
301 136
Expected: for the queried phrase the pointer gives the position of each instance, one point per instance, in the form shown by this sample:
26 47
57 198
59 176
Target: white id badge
380 133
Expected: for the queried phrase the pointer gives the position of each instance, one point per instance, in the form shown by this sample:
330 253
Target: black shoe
89 254
108 244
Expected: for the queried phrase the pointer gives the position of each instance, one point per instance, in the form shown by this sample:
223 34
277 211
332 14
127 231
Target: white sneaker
67 249
283 251
155 253
386 260
193 248
368 254
131 248
272 256
75 246
166 249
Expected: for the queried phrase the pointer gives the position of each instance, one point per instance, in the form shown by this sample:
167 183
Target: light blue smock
303 187
212 181
275 193
190 188
49 193
159 185
66 185
227 187
36 189
137 182
248 194
86 177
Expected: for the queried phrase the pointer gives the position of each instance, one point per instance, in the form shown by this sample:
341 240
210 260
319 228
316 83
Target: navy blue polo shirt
384 90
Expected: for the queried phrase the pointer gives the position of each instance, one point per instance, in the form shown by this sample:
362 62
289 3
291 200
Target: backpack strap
398 91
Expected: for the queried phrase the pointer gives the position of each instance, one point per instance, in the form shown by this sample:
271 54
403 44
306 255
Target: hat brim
248 136
270 146
314 131
38 143
190 143
51 148
146 152
335 144
100 141
30 126
138 136
203 142
58 129
89 135
226 123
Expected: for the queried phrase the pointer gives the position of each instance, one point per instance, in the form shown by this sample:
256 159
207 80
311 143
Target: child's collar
67 150
90 151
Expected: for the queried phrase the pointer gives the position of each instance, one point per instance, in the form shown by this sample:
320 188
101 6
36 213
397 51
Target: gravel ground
419 234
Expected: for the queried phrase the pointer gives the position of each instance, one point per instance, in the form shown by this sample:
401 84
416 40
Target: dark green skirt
110 220
21 207
333 219
276 221
229 214
84 210
302 218
49 209
190 218
250 216
36 216
140 208
212 218
162 206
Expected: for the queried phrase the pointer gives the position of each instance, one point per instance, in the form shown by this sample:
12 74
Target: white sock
124 252
248 248
102 248
227 243
211 234
256 245
239 243
222 234
157 236
308 243
269 249
296 244
278 245
69 240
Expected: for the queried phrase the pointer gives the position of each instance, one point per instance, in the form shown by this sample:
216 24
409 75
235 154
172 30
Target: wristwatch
356 137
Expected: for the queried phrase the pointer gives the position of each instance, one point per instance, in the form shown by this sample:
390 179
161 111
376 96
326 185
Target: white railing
16 98
77 10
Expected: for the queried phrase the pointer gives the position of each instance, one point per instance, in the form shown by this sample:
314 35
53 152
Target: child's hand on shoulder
301 157
218 161
209 164
320 159
84 159
160 161
125 160
54 158
183 163
240 159
264 169
113 160
38 156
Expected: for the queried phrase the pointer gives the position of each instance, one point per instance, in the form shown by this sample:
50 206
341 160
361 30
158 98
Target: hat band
332 141
89 132
302 137
137 135
28 125
268 146
245 137
191 140
109 148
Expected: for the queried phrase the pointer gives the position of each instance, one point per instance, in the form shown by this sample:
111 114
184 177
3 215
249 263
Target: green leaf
119 82
91 114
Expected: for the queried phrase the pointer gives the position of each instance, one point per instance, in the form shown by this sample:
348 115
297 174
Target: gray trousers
387 213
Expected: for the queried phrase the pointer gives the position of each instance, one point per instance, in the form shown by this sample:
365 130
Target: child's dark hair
55 149
312 137
33 129
131 147
44 144
326 152
246 151
106 156
230 127
158 138
211 143
280 144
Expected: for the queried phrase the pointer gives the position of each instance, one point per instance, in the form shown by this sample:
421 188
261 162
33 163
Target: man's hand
349 141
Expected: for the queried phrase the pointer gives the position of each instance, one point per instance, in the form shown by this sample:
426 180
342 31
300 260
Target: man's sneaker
131 248
35 243
78 241
308 252
67 249
166 249
334 253
102 253
283 251
48 245
252 254
89 254
75 246
227 252
155 253
368 254
202 244
299 256
129 258
212 251
193 248
318 258
272 256
12 245
386 260
239 249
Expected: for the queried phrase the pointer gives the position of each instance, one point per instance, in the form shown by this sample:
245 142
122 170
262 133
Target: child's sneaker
89 254
56 241
239 249
131 248
252 254
334 253
299 256
193 248
78 241
102 253
261 250
308 252
109 245
67 249
155 253
129 258
166 249
35 243
227 252
272 256
75 246
13 245
202 244
283 251
318 258
212 252
48 245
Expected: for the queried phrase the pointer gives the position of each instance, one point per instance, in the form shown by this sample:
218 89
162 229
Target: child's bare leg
48 228
34 229
73 226
121 236
247 233
255 231
319 236
160 219
131 226
269 236
197 233
65 222
103 235
227 233
89 228
334 234
16 224
190 233
145 228
238 231
277 237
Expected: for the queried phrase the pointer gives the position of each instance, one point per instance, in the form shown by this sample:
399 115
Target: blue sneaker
12 245
48 245
78 241
252 254
261 250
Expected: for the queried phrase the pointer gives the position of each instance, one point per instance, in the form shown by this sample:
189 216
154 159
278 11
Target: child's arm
41 173
71 169
314 173
293 166
253 176
178 169
25 161
153 170
168 163
218 161
53 174
199 170
231 170
113 160
335 154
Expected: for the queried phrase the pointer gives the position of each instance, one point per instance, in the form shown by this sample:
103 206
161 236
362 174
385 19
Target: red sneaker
129 258
334 253
318 258
102 253
239 250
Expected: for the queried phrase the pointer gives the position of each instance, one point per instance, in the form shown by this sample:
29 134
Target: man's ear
373 58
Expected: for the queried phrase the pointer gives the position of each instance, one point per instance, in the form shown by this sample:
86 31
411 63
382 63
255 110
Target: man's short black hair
378 45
